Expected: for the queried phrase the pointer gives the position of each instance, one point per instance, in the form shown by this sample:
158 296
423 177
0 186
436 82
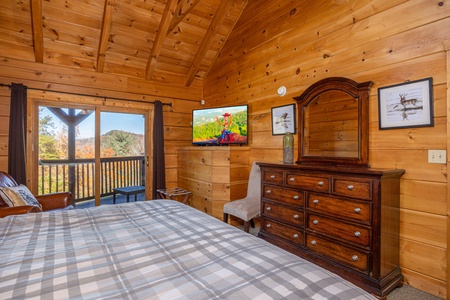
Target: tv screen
220 126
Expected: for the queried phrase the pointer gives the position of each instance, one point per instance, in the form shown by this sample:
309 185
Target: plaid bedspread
158 249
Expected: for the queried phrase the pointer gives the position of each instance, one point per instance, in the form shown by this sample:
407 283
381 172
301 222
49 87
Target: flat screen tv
220 126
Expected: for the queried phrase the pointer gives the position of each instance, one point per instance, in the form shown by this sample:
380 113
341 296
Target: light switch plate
437 156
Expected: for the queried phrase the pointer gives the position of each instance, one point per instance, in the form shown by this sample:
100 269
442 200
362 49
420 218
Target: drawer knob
313 242
315 222
350 187
268 225
268 208
296 216
295 197
355 257
315 201
357 233
295 236
320 183
272 176
291 179
357 210
268 191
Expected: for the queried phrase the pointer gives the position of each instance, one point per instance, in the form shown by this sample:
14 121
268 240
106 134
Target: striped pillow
18 196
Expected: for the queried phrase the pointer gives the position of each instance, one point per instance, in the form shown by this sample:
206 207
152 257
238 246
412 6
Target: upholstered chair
249 207
48 202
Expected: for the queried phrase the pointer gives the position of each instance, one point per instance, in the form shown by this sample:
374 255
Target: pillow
18 196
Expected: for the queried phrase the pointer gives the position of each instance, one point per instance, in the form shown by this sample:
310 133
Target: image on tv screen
220 126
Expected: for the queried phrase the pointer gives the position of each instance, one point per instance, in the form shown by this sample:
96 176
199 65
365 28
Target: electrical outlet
437 156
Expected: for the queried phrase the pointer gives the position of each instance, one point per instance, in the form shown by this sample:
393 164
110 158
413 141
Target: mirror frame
356 90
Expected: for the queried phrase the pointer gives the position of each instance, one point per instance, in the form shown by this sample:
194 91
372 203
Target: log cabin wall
43 78
296 43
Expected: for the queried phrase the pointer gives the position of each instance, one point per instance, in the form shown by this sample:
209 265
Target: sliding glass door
75 142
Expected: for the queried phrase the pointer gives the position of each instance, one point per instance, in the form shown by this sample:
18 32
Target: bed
159 249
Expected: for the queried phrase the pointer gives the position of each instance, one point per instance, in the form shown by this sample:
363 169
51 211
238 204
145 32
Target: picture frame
406 105
284 119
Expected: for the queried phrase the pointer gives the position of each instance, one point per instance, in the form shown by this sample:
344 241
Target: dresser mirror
334 122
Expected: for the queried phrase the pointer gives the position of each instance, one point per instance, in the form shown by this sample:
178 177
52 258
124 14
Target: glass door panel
122 155
66 157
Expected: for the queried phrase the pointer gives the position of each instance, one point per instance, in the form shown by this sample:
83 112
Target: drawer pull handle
291 179
268 191
272 176
357 233
268 225
350 187
315 201
355 257
295 197
296 216
357 210
295 236
313 242
320 183
315 222
268 208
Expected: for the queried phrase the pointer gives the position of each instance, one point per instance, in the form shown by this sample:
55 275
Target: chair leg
252 223
246 226
225 217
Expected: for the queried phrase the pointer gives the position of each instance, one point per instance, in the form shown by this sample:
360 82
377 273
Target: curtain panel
159 165
17 133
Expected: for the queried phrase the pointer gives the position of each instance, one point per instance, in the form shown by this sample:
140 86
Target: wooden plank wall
296 43
37 76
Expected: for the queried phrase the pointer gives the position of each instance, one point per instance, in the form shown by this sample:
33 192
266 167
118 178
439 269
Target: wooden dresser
214 175
343 219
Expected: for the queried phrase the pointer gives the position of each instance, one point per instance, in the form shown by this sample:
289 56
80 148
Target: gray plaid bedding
158 249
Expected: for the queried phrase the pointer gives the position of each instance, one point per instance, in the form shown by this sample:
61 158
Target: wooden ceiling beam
219 17
38 35
180 15
104 36
166 19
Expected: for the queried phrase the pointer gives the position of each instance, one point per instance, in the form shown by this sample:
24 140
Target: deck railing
78 176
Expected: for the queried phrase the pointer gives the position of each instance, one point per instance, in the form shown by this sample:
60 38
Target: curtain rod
96 96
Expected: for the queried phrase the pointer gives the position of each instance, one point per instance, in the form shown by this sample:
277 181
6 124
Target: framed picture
283 119
407 104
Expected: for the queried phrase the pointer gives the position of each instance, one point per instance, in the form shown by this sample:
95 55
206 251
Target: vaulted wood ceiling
169 40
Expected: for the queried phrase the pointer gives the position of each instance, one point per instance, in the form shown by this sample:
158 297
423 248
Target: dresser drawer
272 177
354 188
310 183
353 233
352 210
353 258
285 195
288 215
291 234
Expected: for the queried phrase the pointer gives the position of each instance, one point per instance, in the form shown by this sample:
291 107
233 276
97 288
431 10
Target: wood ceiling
175 41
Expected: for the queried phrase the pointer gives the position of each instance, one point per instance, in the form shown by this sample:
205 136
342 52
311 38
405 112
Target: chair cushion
245 209
18 196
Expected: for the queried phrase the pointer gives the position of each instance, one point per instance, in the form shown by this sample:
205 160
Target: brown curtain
159 165
17 133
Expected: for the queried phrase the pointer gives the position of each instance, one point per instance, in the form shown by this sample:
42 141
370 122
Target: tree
122 143
47 141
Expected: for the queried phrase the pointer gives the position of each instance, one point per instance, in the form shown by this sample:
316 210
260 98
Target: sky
109 121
